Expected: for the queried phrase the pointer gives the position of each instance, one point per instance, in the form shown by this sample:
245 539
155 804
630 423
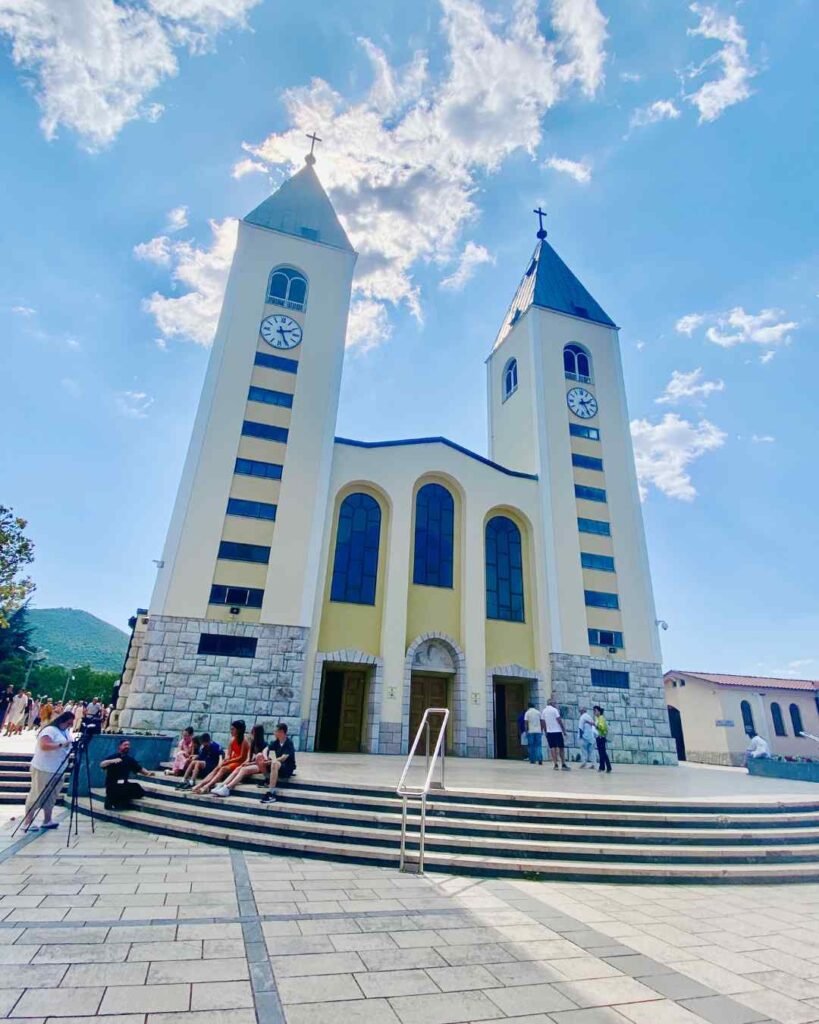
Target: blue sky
674 146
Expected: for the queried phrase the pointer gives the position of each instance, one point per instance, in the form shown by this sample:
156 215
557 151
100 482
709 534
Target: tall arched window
747 717
355 566
577 363
504 570
287 287
510 378
778 721
434 536
796 720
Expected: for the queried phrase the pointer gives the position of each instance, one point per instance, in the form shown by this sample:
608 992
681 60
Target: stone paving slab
149 931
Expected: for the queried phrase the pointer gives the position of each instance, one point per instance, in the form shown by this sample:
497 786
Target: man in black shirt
282 756
119 792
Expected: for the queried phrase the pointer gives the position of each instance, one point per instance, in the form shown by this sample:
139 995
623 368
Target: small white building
712 715
343 586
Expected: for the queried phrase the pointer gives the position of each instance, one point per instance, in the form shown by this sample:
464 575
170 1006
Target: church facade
344 586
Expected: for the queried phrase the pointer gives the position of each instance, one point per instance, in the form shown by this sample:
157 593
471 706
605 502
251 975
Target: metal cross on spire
540 215
310 158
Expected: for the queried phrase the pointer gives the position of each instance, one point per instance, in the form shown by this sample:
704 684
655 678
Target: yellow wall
510 643
355 626
436 609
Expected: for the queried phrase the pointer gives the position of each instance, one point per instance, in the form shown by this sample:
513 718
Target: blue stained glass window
504 570
600 599
589 493
576 362
594 526
269 397
287 287
434 536
355 566
587 462
604 563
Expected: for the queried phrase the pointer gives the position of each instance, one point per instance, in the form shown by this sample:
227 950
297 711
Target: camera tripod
79 750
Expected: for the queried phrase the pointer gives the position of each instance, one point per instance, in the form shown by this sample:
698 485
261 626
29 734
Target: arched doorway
435 677
675 724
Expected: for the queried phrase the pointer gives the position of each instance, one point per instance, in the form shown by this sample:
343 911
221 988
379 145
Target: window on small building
434 536
287 287
577 363
237 552
778 721
602 563
245 597
796 720
358 535
227 646
504 570
510 378
606 677
747 717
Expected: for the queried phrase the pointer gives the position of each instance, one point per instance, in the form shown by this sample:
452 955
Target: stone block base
638 718
389 738
172 686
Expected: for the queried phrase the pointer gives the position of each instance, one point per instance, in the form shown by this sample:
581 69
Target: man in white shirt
758 747
534 735
555 730
587 734
48 764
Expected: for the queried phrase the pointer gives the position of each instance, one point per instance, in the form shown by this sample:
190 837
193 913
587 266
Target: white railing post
420 792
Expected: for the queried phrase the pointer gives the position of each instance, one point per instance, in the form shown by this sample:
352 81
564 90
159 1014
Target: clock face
582 403
280 331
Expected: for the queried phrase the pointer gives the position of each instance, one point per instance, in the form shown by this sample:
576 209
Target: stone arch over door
349 659
437 652
536 694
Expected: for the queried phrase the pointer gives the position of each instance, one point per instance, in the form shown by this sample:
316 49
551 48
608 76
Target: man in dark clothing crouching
119 792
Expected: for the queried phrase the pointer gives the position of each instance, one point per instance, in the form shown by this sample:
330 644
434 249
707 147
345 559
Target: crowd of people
21 710
592 732
204 767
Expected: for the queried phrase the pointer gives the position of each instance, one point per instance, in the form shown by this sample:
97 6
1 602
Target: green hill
73 637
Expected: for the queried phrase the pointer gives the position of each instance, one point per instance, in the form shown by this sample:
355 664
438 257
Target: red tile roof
754 682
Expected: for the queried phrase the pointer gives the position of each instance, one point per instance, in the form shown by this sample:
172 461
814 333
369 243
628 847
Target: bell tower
235 591
557 409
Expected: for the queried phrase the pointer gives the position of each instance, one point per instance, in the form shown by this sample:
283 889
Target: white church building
344 586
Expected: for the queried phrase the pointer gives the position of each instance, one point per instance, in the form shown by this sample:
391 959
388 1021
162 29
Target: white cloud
689 323
471 258
684 386
177 219
736 327
659 110
664 451
794 669
630 76
639 345
71 387
92 64
402 164
368 325
248 166
23 310
733 84
72 343
133 404
202 271
763 438
580 170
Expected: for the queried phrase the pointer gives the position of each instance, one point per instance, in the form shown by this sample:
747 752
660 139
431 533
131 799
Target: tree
16 552
84 682
13 661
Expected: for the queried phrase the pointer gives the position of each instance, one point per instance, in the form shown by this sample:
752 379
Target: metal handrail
405 791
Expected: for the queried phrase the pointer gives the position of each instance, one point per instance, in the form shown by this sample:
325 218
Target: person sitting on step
206 760
119 792
257 765
282 756
238 753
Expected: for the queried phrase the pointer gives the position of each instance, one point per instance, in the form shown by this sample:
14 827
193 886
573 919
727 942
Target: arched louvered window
747 717
778 721
577 363
434 536
504 570
287 287
796 720
355 566
510 378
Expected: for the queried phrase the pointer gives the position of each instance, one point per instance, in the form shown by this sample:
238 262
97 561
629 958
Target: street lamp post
68 679
32 657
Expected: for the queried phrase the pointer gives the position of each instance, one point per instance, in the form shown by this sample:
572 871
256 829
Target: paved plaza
135 929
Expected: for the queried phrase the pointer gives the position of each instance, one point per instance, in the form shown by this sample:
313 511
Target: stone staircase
523 835
14 778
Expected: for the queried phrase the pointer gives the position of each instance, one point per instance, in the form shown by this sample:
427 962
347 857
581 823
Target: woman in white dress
16 716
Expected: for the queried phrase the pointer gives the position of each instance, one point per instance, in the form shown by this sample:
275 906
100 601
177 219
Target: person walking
602 727
524 736
48 764
16 714
534 734
586 734
552 725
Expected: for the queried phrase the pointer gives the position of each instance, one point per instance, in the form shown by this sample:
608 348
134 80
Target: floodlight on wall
661 623
235 610
612 650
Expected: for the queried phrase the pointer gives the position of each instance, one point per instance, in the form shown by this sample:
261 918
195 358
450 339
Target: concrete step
290 806
223 832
